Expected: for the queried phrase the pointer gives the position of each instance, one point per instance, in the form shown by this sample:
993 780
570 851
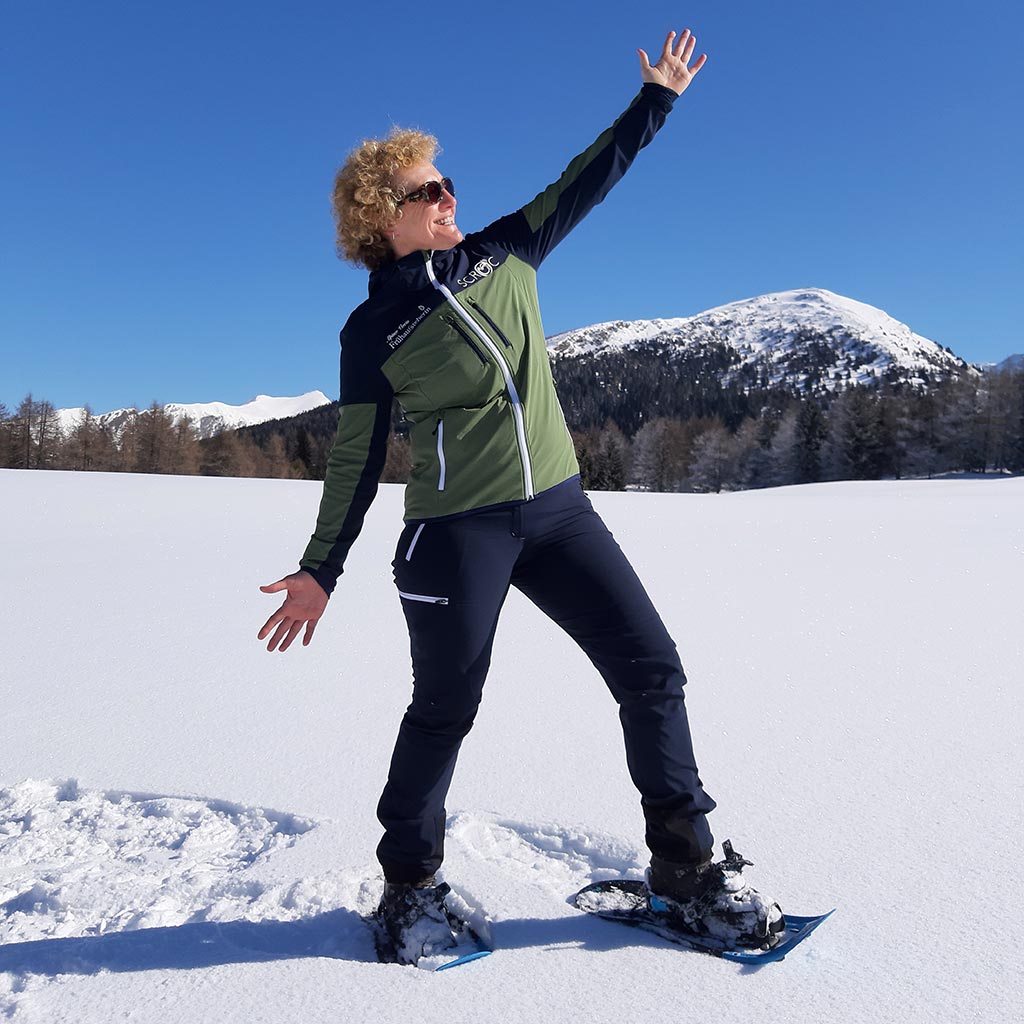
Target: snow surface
187 822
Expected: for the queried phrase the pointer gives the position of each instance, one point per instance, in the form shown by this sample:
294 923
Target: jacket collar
408 272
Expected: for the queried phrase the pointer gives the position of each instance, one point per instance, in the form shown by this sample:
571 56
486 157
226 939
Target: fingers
683 40
270 623
304 604
293 632
675 56
287 629
280 633
666 50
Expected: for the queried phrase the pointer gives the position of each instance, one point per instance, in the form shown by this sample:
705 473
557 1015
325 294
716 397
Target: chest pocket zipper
452 322
494 327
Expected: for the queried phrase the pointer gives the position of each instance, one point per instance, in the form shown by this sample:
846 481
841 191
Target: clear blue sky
164 224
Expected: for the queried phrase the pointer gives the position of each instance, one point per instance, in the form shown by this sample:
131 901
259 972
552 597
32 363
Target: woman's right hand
671 69
305 603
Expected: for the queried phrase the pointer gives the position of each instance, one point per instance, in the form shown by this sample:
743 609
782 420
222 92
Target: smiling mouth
446 221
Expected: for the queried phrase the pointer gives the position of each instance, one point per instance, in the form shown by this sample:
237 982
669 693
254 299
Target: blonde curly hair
365 197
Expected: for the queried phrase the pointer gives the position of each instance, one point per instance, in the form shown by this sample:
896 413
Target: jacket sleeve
354 465
532 232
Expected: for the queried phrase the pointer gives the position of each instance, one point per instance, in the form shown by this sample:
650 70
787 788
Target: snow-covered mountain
1014 362
209 418
807 338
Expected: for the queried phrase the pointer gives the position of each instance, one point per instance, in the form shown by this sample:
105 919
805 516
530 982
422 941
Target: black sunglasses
431 191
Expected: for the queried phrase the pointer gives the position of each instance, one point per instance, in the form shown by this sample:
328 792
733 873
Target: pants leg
574 571
467 563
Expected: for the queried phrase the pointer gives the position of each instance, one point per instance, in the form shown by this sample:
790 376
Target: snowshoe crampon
426 927
630 902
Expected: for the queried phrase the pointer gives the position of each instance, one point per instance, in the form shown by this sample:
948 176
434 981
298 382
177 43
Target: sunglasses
431 191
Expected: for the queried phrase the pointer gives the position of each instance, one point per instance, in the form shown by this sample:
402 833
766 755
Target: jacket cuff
324 577
659 95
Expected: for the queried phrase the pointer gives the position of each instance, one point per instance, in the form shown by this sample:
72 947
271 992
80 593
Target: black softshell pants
453 576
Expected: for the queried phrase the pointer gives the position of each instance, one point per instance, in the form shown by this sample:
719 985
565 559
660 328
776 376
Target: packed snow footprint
558 858
76 862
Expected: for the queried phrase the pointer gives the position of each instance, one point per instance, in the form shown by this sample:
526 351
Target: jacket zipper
439 430
423 597
483 312
466 338
517 405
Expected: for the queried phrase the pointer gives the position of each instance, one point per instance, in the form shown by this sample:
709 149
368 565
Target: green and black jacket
456 336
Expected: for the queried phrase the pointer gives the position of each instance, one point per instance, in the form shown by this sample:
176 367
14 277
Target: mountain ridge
808 339
208 418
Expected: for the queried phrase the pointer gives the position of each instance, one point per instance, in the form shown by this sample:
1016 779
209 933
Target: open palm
671 69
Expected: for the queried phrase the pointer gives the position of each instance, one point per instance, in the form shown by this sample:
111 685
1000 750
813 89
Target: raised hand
305 603
671 69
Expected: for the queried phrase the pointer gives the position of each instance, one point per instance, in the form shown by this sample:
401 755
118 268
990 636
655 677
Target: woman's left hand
671 70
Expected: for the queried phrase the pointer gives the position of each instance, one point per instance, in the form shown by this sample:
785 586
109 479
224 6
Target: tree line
862 433
689 433
153 441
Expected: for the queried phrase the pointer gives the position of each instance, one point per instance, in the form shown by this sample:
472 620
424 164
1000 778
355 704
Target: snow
208 418
765 328
187 822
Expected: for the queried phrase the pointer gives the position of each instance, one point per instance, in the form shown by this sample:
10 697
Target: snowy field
187 822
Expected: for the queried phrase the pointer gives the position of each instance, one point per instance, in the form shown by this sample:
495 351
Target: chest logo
479 272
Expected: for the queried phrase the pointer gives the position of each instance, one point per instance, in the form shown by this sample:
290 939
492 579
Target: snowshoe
416 924
713 902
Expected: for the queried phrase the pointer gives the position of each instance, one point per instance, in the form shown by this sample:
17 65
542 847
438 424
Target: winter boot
714 902
416 923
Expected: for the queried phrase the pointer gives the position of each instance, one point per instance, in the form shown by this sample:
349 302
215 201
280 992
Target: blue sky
166 232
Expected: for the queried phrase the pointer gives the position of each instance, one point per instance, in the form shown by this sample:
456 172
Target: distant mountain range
209 418
808 340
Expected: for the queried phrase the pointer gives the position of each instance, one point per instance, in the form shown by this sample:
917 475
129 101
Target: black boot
714 901
416 922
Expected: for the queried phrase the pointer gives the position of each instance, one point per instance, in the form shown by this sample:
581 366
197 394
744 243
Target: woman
452 329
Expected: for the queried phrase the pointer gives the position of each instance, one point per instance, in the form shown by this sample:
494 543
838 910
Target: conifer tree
783 453
1015 461
585 457
1002 416
751 458
961 428
856 445
610 459
398 464
6 437
811 430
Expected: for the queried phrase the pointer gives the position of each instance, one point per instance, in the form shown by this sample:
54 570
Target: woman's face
424 225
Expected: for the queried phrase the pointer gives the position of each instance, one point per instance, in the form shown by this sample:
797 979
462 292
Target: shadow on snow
338 934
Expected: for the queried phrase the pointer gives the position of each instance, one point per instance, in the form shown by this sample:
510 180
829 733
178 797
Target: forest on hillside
631 430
